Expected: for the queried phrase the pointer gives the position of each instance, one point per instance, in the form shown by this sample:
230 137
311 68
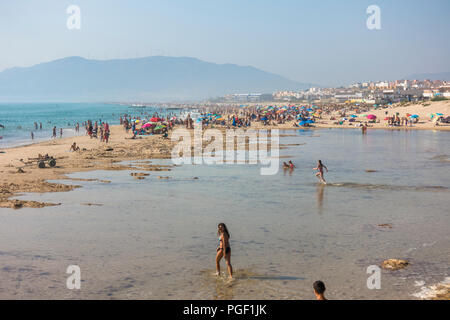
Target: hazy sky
325 42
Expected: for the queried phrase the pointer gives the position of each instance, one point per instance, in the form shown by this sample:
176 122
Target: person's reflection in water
364 138
319 193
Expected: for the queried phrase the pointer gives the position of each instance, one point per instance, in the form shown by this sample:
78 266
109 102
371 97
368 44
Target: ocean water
18 119
156 238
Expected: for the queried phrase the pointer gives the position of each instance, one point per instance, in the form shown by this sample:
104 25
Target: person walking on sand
319 290
223 249
319 174
106 135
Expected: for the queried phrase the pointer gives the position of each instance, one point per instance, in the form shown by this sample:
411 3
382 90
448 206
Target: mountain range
155 78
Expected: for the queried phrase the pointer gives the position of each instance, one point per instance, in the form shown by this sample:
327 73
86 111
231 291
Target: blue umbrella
354 116
414 116
309 121
302 123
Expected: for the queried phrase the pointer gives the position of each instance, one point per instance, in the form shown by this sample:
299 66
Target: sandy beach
20 174
421 109
155 200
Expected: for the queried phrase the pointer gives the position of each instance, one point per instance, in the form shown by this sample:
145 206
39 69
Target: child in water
319 174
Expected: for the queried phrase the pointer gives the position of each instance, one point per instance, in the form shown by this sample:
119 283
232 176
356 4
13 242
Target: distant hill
154 78
431 76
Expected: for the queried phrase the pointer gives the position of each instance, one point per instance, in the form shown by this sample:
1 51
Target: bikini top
220 241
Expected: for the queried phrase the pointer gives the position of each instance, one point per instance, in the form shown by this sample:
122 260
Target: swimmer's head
319 286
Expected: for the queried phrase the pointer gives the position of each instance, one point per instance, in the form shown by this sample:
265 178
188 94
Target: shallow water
156 238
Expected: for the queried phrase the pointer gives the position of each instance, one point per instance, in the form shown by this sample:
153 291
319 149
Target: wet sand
18 174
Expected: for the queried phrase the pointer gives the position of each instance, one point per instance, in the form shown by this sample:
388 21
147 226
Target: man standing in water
54 132
319 174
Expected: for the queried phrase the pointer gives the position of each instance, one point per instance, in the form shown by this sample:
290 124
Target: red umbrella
154 119
147 125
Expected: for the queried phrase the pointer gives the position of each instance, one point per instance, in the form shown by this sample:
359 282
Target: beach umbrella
414 116
160 127
148 124
264 118
154 119
439 114
302 123
354 116
309 121
371 117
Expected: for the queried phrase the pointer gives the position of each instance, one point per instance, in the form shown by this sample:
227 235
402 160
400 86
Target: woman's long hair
225 230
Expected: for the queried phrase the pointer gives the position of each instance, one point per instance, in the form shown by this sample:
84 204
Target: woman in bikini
319 174
223 249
